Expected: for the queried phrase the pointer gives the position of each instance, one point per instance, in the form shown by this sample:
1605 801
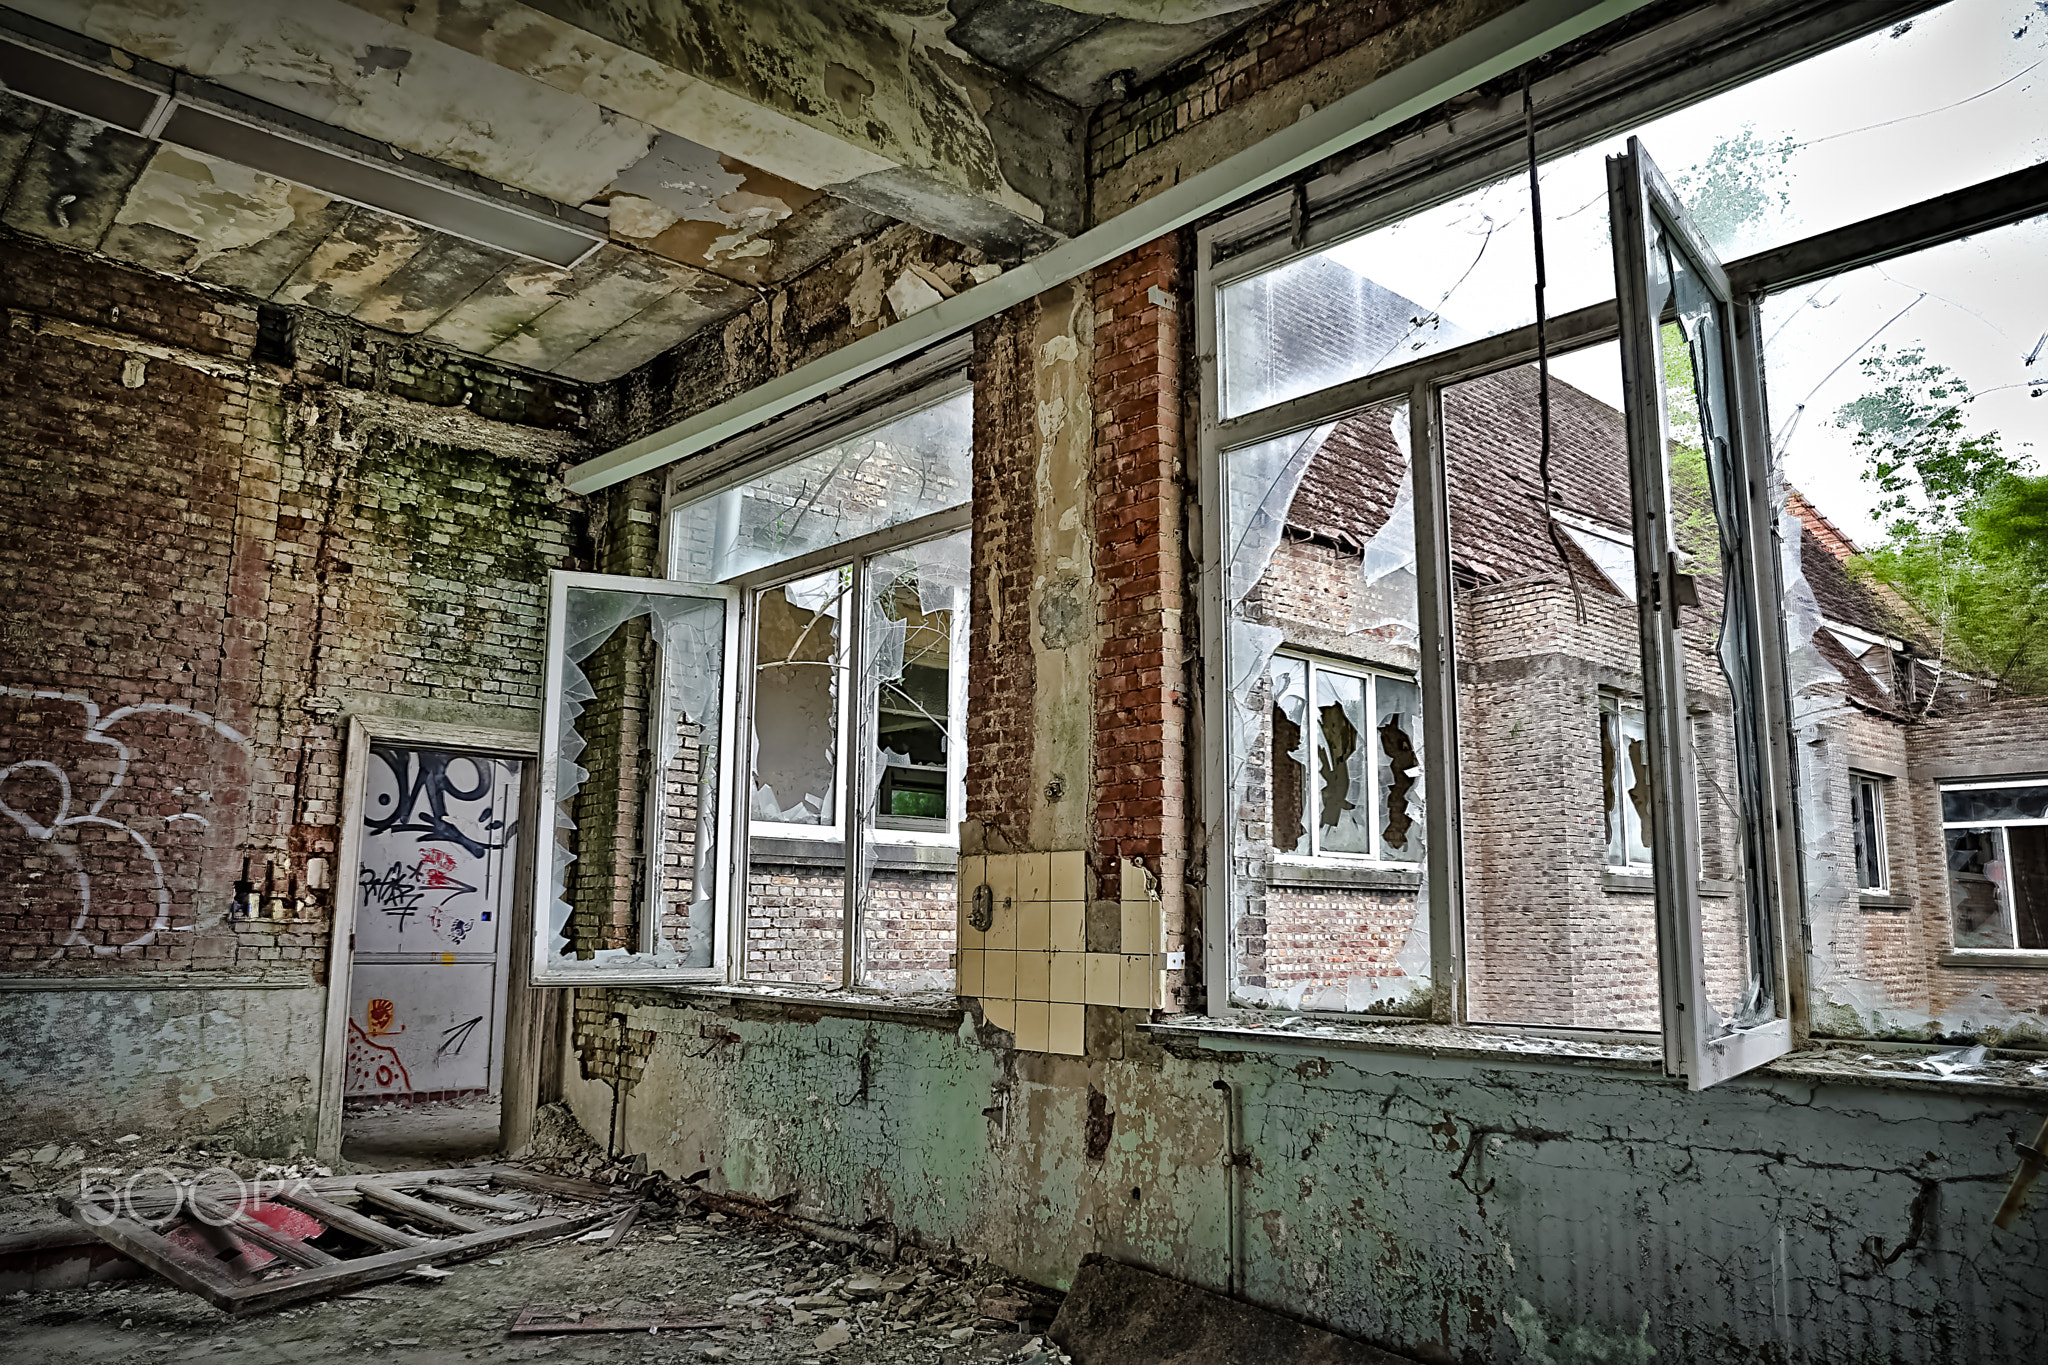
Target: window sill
2026 959
1291 874
1883 900
1296 1034
1645 884
2011 1075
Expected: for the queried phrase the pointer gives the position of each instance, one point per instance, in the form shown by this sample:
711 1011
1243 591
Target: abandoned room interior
1112 681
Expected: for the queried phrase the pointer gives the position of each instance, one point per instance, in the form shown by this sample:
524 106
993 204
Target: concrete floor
415 1137
682 1266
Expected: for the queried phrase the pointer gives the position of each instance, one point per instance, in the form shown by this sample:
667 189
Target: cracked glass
635 757
1325 755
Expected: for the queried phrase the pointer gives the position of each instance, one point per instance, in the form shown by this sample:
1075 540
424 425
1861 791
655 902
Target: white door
434 892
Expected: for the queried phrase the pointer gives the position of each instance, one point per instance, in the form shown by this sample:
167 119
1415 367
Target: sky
1957 96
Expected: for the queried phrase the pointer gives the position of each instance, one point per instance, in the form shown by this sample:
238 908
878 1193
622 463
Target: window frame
861 415
1859 784
1941 790
1376 189
546 967
1317 856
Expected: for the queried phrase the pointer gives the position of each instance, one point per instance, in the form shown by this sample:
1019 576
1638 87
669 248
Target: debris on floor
694 1275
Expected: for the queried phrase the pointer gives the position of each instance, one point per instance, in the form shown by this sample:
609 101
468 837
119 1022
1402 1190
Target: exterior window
1997 837
1866 796
1346 768
1625 772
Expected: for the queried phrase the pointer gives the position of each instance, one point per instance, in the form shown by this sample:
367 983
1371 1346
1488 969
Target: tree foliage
1966 522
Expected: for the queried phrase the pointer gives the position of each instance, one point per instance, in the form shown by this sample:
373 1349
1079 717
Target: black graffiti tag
425 792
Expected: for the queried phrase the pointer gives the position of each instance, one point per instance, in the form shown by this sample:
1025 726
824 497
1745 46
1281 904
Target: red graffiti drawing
373 1067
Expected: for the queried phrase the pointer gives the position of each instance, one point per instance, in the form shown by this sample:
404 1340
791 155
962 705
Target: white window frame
1312 793
834 421
1989 784
852 726
1859 784
548 967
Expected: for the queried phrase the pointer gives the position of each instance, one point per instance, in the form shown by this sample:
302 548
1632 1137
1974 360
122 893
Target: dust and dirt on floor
782 1292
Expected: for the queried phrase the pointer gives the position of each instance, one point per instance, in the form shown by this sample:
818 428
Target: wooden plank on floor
357 1225
346 1275
419 1210
190 1272
475 1199
561 1185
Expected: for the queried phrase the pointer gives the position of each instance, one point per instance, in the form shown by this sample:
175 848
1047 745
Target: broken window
1325 722
1997 838
1625 773
1361 795
1866 796
854 569
861 485
1903 406
635 767
1646 673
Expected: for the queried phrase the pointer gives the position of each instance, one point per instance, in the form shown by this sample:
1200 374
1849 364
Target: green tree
1966 522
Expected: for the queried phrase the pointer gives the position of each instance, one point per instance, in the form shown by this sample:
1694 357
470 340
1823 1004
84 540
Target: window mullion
853 731
1437 689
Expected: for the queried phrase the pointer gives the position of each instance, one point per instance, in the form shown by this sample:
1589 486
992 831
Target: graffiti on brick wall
105 856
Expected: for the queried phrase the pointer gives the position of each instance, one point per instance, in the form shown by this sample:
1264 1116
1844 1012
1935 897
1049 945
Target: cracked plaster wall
1415 1202
195 1061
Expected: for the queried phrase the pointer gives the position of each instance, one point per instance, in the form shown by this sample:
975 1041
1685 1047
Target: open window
635 762
1720 897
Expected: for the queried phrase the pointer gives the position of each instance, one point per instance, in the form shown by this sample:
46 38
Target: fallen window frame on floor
295 1271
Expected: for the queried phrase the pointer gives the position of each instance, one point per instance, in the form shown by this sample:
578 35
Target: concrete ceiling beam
873 105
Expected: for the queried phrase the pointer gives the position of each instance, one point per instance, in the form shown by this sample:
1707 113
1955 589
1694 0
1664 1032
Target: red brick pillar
1140 691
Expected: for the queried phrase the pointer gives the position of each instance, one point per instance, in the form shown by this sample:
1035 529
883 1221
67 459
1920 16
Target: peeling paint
221 206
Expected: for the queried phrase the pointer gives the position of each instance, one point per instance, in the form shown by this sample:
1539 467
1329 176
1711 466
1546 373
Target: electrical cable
1571 575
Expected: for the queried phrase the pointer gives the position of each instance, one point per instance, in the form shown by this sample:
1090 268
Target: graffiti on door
434 881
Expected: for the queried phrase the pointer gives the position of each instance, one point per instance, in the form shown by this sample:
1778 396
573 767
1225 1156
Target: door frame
519 1077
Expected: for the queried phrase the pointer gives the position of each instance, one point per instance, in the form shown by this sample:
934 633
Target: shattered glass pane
1343 734
917 464
796 701
1939 102
1290 755
914 619
638 723
1320 536
1397 779
1727 733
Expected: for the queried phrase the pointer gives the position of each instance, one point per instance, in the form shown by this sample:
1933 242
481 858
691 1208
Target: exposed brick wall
1001 674
246 550
1282 44
1141 703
